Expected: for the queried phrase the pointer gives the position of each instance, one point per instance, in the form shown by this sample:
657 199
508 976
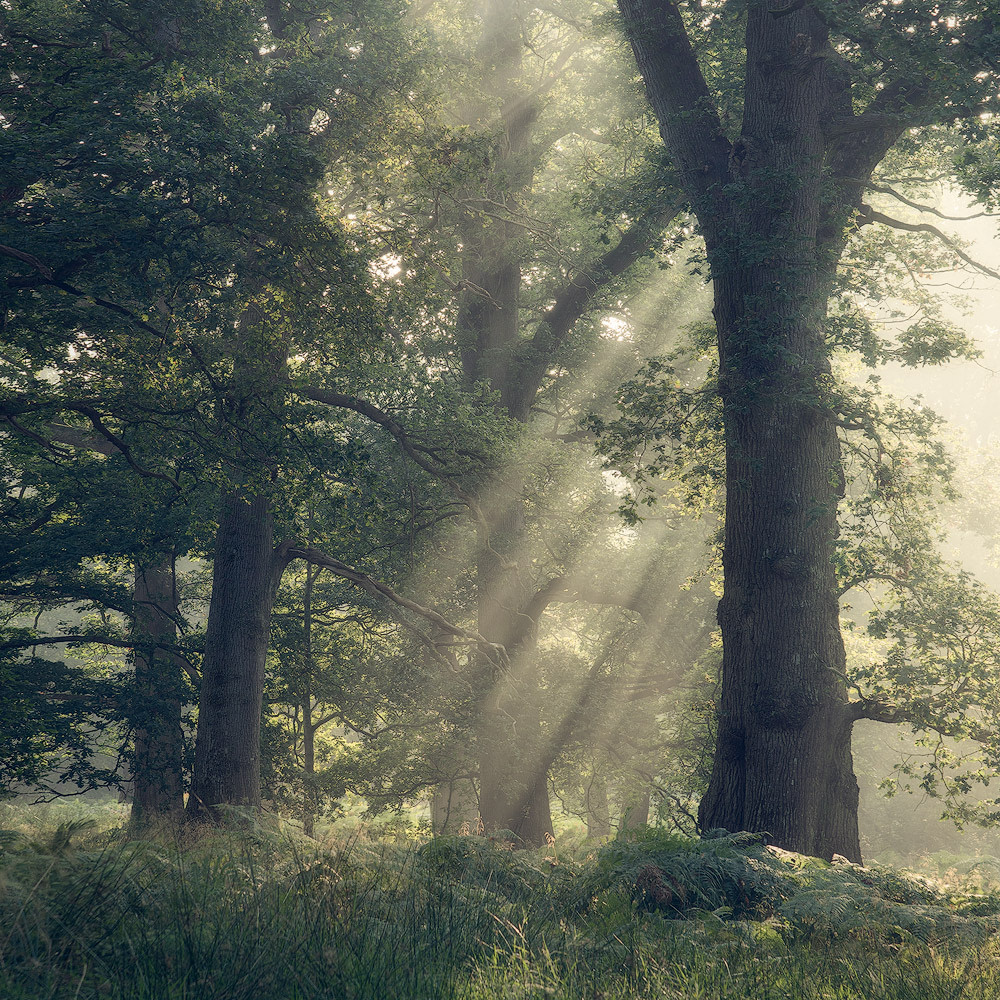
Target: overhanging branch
880 711
106 443
87 639
493 651
869 215
535 355
929 209
420 455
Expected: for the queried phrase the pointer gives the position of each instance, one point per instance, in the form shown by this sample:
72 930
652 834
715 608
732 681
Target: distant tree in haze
543 245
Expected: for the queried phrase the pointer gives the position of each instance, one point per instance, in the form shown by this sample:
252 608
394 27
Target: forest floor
262 912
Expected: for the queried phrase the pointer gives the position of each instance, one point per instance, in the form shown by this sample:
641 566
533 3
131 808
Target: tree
149 234
65 556
519 313
824 93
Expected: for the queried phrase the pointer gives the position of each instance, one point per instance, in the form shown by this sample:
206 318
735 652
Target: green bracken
262 912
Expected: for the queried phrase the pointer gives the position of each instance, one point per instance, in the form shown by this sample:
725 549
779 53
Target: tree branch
879 711
416 453
49 278
27 258
420 456
886 189
869 215
680 98
113 444
77 437
534 356
562 590
859 144
493 651
83 639
867 121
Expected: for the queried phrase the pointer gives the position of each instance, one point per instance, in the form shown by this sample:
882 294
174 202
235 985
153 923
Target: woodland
473 523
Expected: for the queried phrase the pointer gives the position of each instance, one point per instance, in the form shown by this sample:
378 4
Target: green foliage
490 863
673 874
667 438
45 740
58 841
735 876
234 915
160 181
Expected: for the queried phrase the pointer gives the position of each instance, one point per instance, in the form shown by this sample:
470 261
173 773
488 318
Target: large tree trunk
244 580
514 753
783 754
773 207
783 759
157 788
505 801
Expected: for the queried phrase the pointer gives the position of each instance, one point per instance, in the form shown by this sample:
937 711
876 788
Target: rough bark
783 755
245 577
783 759
774 227
157 787
157 764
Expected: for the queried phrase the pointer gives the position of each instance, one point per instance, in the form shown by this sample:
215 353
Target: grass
263 913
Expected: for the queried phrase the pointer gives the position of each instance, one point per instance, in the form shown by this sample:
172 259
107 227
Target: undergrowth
261 912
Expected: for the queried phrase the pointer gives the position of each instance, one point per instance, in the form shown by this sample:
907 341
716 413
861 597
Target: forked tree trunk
783 755
244 581
774 206
157 788
515 753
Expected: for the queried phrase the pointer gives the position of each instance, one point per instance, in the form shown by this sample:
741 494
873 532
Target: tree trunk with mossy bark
774 206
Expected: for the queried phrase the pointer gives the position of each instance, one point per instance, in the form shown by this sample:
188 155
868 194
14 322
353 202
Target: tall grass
264 914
